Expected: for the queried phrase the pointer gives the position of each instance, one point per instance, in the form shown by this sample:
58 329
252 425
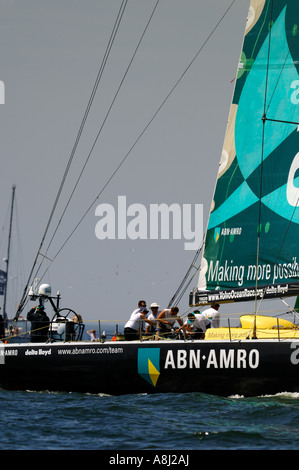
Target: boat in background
250 253
12 331
4 273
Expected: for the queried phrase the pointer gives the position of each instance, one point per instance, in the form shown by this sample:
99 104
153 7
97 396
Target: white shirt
200 322
170 318
152 317
213 315
134 321
92 336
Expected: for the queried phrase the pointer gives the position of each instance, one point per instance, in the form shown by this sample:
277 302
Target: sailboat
249 254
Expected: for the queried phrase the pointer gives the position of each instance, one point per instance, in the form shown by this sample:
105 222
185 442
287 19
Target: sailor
92 334
152 318
213 316
39 324
166 319
196 324
133 327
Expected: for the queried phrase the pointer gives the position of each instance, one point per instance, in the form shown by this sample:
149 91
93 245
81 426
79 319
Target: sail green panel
257 190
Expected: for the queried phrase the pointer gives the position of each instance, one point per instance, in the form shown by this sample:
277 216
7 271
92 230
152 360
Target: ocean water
193 421
141 423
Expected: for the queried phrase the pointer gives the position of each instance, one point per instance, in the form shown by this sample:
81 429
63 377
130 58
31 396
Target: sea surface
138 423
193 421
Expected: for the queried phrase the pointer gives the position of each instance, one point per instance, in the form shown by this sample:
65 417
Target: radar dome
45 289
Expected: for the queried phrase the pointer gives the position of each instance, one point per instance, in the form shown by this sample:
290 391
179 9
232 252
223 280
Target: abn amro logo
149 364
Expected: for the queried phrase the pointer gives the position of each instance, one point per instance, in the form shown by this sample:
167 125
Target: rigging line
19 261
281 121
278 121
262 159
203 242
104 121
296 206
107 52
146 127
108 49
186 277
277 81
98 78
268 58
281 245
287 229
3 229
292 309
185 288
260 31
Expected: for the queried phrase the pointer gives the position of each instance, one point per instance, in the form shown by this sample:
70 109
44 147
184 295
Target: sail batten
251 247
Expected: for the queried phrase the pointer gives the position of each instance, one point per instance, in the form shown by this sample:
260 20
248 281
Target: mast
8 252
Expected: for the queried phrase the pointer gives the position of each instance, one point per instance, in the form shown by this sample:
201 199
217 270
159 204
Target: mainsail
251 243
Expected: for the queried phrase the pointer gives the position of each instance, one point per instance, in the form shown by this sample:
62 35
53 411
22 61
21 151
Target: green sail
251 243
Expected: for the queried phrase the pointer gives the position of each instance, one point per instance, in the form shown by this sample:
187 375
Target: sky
51 54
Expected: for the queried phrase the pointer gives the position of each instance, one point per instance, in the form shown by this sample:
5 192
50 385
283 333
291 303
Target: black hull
249 368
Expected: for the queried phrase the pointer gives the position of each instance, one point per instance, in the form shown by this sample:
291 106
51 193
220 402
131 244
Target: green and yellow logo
149 364
217 234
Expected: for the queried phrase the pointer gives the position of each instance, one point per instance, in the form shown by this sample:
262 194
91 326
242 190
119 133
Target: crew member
166 320
213 315
196 324
152 318
133 327
39 324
